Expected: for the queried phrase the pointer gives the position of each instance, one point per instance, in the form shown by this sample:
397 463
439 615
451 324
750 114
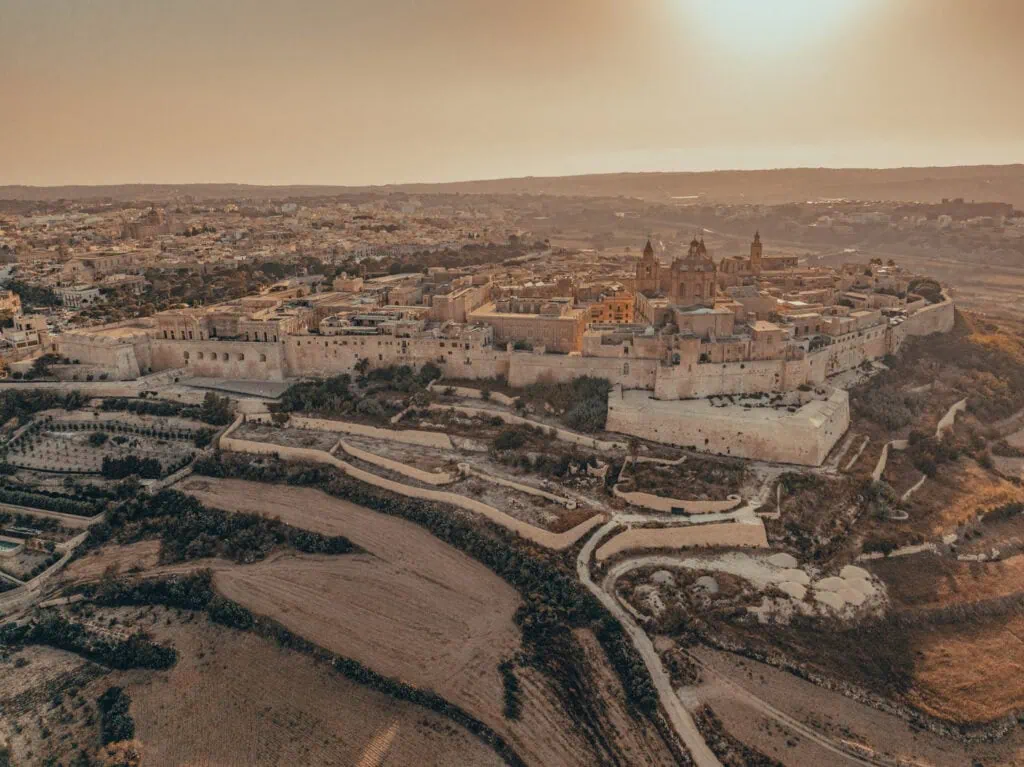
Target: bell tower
755 253
648 269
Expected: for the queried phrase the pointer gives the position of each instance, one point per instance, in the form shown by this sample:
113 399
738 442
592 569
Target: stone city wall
804 437
742 533
525 368
256 360
934 318
707 379
334 355
128 356
120 359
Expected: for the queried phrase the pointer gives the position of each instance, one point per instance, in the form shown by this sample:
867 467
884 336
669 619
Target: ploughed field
412 608
233 700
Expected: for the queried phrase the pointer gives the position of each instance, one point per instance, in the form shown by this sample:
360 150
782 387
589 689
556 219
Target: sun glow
766 26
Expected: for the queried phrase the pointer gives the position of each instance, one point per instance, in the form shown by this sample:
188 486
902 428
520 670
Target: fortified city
512 384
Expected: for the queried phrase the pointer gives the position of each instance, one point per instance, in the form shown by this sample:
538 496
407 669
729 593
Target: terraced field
235 700
412 608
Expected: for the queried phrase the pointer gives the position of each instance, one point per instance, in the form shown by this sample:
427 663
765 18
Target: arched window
186 356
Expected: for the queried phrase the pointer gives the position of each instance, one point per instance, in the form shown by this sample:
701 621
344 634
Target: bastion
751 428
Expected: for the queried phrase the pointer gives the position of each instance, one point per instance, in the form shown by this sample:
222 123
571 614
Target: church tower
755 253
648 271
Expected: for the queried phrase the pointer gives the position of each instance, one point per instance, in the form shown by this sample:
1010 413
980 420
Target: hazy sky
379 91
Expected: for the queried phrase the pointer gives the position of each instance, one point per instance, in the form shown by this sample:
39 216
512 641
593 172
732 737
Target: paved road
835 746
678 716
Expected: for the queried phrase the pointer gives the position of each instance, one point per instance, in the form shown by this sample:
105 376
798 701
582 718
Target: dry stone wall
439 440
741 533
427 477
557 541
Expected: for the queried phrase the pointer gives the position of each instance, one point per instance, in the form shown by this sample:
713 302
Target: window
263 358
200 355
224 356
186 356
241 358
190 335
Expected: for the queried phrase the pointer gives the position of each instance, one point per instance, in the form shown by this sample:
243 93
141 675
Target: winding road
679 717
682 722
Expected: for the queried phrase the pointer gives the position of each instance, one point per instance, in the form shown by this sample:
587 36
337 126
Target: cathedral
691 280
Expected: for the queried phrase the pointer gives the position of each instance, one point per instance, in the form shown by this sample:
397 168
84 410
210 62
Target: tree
215 410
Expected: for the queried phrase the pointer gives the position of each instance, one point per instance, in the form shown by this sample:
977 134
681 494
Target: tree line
187 530
195 592
554 601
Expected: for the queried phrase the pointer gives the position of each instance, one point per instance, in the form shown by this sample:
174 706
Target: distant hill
1004 183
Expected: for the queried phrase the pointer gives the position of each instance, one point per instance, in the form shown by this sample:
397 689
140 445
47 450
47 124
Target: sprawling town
602 460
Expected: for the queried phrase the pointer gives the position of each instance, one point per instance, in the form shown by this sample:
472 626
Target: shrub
511 438
98 438
513 695
120 468
116 723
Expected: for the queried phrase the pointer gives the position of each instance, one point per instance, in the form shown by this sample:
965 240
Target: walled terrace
467 467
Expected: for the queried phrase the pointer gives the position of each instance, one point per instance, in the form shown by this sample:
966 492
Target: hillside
989 182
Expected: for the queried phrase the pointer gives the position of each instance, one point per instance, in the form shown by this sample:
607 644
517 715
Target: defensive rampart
761 433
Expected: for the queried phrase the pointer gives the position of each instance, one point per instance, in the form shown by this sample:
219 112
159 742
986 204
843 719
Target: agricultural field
232 699
424 599
86 442
828 712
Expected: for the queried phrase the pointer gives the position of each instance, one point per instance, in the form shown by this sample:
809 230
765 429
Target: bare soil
236 699
929 581
309 438
955 495
412 608
831 714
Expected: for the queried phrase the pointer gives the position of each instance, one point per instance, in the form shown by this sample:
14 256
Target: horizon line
517 178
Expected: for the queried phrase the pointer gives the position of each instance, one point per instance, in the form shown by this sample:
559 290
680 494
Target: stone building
553 324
